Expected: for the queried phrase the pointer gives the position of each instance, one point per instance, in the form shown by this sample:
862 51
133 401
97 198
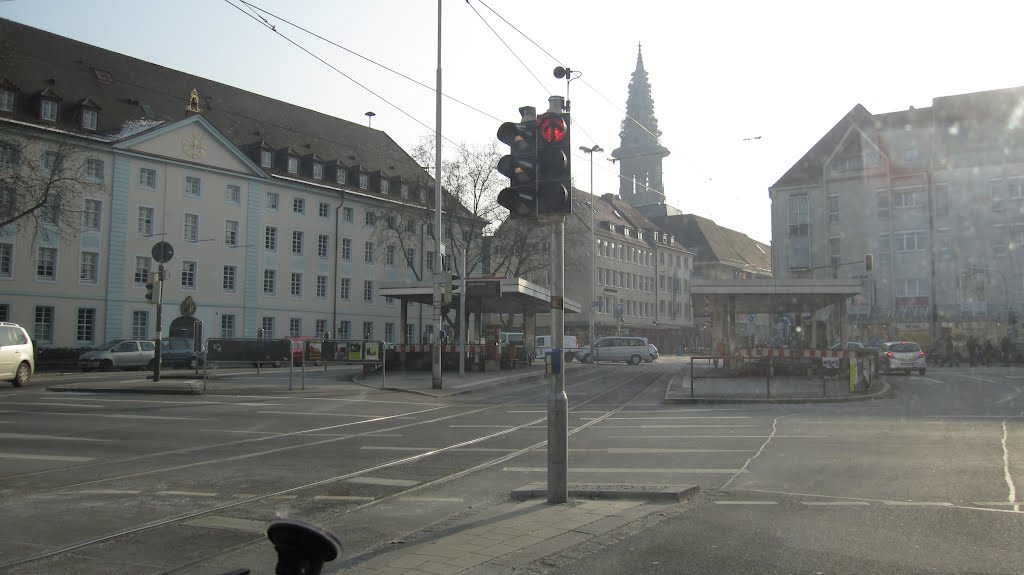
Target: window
147 178
347 214
907 197
389 332
882 197
86 330
318 171
89 118
298 238
88 269
368 252
42 328
342 176
410 256
322 243
48 110
1015 188
833 209
270 282
6 101
799 219
296 284
270 238
321 328
368 329
230 275
8 154
268 327
299 205
188 274
91 214
321 286
193 186
345 289
405 191
51 163
364 181
94 169
344 329
273 200
422 194
389 256
385 186
909 241
266 158
430 261
941 197
6 261
233 194
293 165
392 222
410 333
140 325
227 325
1000 247
231 233
368 291
370 218
46 263
346 249
5 312
142 267
910 287
324 210
191 228
995 191
145 221
883 249
295 326
833 250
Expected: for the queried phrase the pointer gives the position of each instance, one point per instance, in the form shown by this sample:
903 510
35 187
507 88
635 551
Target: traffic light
520 166
868 262
153 288
554 164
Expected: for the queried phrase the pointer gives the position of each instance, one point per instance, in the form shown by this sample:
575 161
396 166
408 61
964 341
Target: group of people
974 351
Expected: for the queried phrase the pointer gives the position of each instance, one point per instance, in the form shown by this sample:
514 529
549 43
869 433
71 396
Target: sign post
162 253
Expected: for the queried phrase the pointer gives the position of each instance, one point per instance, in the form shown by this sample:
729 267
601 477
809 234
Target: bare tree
43 185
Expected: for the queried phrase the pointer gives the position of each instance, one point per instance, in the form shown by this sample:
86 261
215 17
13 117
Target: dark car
179 352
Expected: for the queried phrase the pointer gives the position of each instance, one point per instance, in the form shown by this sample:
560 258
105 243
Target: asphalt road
921 482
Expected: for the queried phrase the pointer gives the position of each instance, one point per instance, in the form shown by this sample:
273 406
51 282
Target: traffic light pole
558 401
438 264
159 322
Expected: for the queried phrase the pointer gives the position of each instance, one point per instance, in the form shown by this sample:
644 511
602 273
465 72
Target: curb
516 379
656 493
136 390
880 394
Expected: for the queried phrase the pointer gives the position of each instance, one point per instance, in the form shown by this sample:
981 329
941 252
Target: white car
906 356
17 356
120 354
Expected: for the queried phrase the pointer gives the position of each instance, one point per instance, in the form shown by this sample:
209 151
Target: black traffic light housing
153 288
520 165
554 163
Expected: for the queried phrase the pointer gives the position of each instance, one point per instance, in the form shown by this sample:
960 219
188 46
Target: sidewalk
421 382
711 385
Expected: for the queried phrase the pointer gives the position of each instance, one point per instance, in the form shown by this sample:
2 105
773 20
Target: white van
570 347
17 356
616 348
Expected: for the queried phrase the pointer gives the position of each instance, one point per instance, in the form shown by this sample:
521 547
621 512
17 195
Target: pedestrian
950 356
1004 347
972 350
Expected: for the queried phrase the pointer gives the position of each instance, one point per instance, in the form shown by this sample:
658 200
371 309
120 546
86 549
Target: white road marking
37 457
342 498
919 377
834 503
666 426
110 491
320 413
284 497
49 437
738 502
188 493
677 417
384 435
168 401
397 448
998 503
1012 496
714 436
480 426
231 523
709 471
431 499
919 503
383 481
624 450
48 404
978 378
107 415
755 456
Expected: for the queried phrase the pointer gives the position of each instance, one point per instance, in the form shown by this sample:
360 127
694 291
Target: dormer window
422 195
405 191
89 118
385 186
318 170
626 231
48 110
342 176
293 165
266 158
6 99
364 181
611 226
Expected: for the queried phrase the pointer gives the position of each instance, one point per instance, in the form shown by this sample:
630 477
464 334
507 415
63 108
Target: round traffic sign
163 252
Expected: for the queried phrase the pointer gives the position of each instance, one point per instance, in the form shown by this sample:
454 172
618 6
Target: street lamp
593 239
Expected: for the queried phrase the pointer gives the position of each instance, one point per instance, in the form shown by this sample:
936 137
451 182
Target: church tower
640 153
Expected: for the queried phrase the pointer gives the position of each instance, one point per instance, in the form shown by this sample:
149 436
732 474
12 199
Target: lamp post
593 239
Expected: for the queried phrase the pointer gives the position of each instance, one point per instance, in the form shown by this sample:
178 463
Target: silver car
616 348
17 357
902 355
120 354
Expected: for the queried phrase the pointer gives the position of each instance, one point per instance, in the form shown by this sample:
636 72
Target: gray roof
712 243
127 90
807 170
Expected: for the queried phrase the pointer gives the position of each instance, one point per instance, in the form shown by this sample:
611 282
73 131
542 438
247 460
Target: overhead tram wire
368 59
502 40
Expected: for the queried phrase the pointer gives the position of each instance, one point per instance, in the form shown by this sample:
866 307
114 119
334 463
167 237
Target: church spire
640 151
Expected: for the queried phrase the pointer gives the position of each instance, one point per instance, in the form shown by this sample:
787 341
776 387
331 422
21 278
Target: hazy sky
720 71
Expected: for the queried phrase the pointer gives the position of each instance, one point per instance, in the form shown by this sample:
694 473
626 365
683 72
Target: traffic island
657 493
781 389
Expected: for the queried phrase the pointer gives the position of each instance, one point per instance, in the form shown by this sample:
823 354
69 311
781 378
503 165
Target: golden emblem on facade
193 102
188 306
194 145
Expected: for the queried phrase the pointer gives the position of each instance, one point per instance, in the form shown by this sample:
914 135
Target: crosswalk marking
383 481
49 437
110 491
342 498
629 470
919 503
741 502
188 493
40 457
834 503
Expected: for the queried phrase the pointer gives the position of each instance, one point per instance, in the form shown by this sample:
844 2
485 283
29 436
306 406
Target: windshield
544 287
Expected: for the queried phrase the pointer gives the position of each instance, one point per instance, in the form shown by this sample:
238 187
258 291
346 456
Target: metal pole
558 401
463 323
436 379
159 322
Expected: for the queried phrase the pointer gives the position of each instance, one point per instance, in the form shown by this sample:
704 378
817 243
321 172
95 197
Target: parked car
629 349
179 352
17 356
120 354
652 353
569 346
902 355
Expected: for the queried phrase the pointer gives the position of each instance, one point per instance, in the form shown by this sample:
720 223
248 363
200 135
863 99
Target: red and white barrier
425 348
809 353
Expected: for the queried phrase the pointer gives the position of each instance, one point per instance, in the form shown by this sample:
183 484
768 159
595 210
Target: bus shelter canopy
775 296
483 295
